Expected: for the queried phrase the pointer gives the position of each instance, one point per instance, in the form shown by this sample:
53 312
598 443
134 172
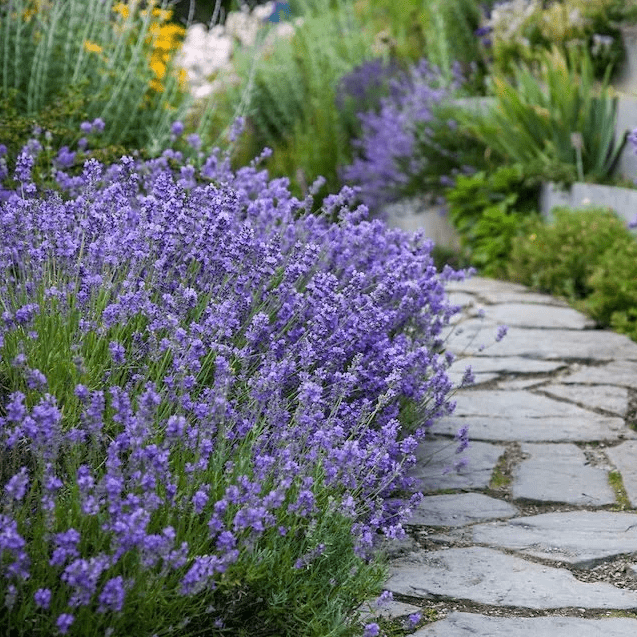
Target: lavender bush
387 161
201 391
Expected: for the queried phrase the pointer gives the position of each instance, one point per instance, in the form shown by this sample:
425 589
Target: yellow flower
122 9
158 67
91 47
157 86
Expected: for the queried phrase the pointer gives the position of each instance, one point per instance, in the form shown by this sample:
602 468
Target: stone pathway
537 537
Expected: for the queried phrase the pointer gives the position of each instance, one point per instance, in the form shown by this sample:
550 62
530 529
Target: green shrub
613 301
448 148
488 209
561 257
55 132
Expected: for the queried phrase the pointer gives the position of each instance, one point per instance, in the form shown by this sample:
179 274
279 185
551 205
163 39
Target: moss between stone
617 485
500 478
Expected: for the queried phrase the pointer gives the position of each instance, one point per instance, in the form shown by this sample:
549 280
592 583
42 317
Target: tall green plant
292 106
450 37
47 48
553 119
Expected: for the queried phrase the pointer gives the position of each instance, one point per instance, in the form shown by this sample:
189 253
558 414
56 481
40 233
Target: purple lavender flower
413 620
86 128
273 330
384 598
194 140
42 598
64 622
66 547
177 128
371 630
65 158
36 379
385 160
112 596
118 353
16 487
502 331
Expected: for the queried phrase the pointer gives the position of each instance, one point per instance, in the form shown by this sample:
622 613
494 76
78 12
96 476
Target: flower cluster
164 40
195 364
516 29
386 149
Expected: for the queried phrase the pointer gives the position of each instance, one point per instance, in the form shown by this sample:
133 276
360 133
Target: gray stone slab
620 373
535 316
518 415
461 624
581 538
501 404
607 397
462 299
593 428
389 610
505 365
602 345
460 509
434 468
487 576
480 285
494 291
560 473
521 383
624 457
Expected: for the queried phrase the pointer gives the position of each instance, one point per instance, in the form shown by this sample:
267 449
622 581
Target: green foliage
328 44
488 209
553 121
17 128
399 27
292 105
91 47
560 257
613 301
450 38
448 148
441 30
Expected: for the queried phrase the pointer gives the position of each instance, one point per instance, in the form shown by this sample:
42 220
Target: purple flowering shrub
361 90
201 389
387 160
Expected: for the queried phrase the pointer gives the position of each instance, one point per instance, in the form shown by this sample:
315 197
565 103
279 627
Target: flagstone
474 625
560 473
581 538
459 510
607 397
490 367
518 415
487 576
538 316
603 345
434 469
620 373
